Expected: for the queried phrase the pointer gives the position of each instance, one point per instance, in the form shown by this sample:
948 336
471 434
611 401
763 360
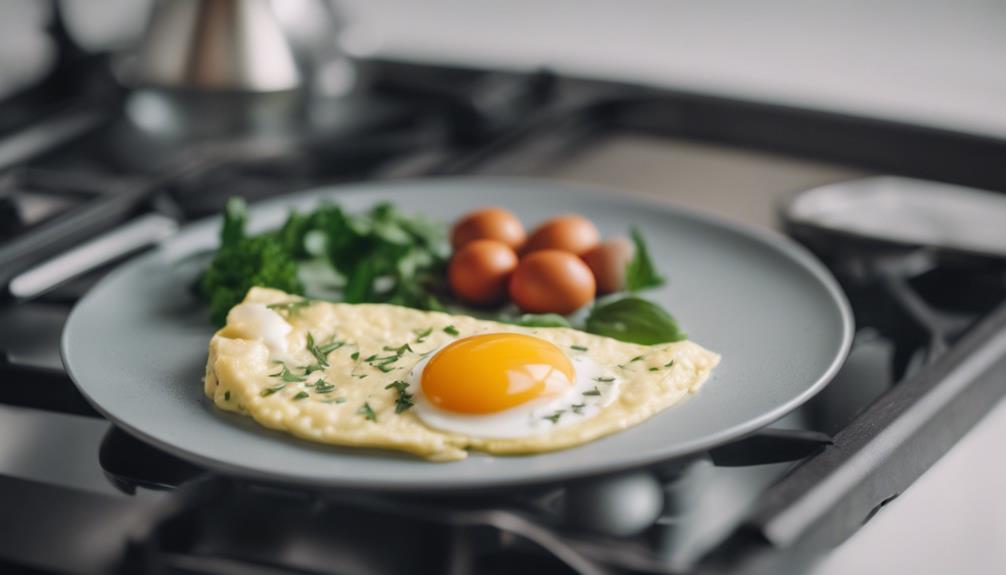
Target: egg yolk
493 372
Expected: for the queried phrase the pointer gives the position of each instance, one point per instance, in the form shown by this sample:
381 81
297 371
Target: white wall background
934 62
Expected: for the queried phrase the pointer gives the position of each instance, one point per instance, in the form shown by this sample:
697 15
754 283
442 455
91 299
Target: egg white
524 420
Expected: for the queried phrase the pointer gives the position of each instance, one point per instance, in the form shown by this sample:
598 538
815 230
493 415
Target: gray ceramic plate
136 344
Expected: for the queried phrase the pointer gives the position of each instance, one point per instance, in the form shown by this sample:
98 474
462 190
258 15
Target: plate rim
777 242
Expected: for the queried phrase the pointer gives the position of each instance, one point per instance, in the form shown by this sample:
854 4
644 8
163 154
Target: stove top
93 173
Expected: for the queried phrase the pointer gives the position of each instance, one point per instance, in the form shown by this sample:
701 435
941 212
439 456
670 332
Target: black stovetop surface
66 474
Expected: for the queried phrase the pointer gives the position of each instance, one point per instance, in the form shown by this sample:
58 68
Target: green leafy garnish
271 390
235 219
554 418
243 262
367 412
320 353
640 273
322 386
669 364
290 308
451 330
542 320
421 335
309 369
400 350
604 379
404 400
300 395
287 376
578 407
330 347
634 320
593 392
355 356
578 348
654 369
380 256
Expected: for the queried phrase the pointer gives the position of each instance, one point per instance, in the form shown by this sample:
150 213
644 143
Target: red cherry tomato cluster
559 268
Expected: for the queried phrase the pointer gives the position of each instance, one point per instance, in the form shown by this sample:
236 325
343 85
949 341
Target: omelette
434 384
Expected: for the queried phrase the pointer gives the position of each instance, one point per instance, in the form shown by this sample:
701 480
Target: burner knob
617 505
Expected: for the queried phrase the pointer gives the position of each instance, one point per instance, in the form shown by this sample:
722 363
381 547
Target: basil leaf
640 273
634 320
542 320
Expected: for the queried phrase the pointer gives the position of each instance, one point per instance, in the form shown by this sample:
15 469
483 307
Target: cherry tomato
551 281
491 223
608 261
479 271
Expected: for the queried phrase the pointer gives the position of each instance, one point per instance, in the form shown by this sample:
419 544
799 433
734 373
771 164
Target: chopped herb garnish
398 386
404 400
578 347
313 348
554 418
287 376
382 363
271 390
604 379
227 396
654 369
334 400
421 335
400 350
320 353
309 369
355 356
578 407
360 375
594 391
367 411
637 358
290 308
300 395
322 386
451 330
331 346
669 364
